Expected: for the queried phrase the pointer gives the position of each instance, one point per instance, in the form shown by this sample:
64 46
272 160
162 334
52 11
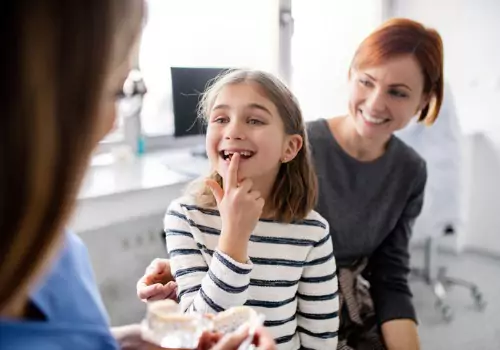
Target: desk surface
110 176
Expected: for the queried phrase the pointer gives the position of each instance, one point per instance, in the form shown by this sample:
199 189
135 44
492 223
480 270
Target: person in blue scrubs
63 65
71 280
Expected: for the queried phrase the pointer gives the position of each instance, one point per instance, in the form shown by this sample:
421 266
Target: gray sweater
371 207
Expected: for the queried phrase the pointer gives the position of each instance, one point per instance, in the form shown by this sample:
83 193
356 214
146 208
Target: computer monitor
188 85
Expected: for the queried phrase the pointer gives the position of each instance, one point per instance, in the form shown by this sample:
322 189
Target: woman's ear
293 145
424 101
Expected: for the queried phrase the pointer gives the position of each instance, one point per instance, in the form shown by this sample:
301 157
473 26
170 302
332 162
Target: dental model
167 326
230 320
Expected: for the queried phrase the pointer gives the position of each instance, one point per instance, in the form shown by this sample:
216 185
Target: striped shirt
290 276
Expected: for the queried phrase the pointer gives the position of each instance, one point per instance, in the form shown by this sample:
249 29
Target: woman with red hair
371 185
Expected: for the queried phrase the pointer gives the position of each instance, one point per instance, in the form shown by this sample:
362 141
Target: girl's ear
293 145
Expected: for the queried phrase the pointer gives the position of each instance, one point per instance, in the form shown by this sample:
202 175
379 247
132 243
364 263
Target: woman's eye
397 93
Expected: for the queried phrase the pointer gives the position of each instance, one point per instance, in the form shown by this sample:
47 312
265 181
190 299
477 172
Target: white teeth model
372 119
230 320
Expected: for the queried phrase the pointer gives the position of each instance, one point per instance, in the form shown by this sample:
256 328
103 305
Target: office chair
437 279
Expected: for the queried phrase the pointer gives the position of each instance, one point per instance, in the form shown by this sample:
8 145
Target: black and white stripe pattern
290 276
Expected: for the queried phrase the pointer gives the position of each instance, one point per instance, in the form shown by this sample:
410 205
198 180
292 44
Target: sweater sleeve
318 300
204 287
389 266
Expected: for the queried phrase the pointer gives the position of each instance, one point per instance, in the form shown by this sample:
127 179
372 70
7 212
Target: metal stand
439 282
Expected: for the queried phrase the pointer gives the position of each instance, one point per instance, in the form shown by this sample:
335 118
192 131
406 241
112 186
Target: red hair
401 36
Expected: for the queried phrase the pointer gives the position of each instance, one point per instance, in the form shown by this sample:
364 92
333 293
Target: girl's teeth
243 153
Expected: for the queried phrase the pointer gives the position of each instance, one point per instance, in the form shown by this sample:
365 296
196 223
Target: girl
249 235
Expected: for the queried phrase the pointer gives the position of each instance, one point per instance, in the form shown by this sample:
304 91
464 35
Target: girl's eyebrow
220 106
250 106
260 107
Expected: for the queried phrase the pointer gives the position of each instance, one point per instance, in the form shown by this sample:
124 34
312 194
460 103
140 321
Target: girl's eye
255 122
221 120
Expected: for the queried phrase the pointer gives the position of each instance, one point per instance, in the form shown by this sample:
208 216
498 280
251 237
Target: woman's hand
262 339
157 282
129 338
240 208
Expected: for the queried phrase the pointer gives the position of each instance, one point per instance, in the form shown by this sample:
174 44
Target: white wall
471 35
483 229
218 33
326 35
201 33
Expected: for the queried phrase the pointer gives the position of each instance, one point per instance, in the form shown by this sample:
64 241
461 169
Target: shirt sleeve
389 266
204 287
318 300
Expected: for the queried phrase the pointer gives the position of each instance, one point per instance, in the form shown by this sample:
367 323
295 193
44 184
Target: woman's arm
318 300
388 271
202 288
391 294
400 335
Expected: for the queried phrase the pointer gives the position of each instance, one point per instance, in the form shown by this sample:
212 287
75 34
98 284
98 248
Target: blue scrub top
69 299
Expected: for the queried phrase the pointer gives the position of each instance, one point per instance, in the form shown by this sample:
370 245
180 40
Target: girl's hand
157 282
240 208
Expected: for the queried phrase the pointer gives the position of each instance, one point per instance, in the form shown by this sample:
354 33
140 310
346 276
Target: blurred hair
55 59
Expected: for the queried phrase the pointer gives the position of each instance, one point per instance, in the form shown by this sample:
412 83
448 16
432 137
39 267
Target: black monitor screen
188 85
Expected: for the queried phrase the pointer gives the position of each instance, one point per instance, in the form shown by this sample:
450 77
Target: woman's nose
376 102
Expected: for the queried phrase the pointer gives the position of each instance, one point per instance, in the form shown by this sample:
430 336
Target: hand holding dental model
168 327
240 208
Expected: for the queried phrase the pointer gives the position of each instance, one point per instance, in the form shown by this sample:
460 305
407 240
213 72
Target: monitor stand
199 151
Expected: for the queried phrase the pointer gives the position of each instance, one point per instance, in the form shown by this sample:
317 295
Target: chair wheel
446 311
479 301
